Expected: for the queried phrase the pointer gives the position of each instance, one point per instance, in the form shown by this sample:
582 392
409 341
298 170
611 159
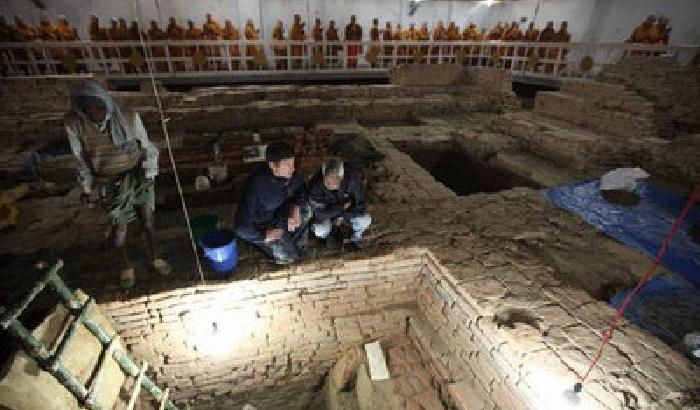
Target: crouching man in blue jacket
273 213
337 197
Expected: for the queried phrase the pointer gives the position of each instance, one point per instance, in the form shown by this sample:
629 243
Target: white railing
201 58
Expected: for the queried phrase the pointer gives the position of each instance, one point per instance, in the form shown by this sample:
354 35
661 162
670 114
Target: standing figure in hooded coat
116 164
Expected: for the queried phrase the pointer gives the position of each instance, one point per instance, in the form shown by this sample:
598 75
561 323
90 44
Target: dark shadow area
35 312
607 290
185 87
620 197
127 87
408 122
695 233
526 92
510 317
460 172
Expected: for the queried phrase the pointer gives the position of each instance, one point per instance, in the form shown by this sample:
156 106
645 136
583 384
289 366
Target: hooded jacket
123 130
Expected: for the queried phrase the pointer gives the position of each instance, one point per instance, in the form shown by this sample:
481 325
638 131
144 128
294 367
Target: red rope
607 336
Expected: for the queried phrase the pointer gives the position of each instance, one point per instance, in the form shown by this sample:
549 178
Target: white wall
589 20
430 12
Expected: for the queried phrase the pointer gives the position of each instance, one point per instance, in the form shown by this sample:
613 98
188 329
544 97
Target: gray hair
333 166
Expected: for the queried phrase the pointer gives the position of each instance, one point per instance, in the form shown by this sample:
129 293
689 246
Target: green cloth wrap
121 197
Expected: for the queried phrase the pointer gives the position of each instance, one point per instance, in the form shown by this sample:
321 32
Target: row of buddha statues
121 30
653 30
292 55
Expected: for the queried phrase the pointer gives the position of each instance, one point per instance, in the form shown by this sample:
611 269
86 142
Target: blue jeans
358 223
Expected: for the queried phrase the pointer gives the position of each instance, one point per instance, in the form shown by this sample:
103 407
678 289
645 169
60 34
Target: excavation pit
492 301
459 171
284 343
294 340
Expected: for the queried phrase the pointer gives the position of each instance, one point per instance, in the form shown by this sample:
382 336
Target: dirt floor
450 184
450 157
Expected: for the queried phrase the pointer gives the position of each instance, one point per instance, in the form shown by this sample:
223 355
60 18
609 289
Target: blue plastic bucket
221 250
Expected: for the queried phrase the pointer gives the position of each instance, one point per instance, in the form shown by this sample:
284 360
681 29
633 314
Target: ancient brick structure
288 330
671 88
505 336
484 296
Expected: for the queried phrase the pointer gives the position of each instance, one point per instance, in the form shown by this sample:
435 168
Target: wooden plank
106 355
137 388
164 399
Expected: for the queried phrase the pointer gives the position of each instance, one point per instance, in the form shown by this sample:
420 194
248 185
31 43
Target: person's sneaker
357 245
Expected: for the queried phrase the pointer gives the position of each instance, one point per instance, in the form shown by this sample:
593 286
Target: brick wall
489 79
400 179
671 87
529 358
422 75
286 331
33 109
464 358
194 152
20 95
482 350
608 109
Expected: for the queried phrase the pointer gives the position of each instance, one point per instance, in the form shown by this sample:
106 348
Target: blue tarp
642 226
666 306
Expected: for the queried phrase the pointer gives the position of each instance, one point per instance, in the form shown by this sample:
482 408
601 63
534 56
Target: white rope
136 11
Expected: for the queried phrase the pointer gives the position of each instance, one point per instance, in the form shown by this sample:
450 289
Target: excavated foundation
490 301
270 343
283 343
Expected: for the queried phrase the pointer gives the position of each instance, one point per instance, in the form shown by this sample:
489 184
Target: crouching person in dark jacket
273 213
337 197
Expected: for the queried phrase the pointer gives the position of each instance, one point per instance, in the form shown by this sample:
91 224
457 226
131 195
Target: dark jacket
265 203
328 204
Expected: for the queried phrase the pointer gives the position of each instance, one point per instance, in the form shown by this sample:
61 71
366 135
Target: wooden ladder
51 361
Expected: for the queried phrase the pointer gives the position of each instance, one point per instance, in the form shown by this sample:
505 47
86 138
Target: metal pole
308 16
537 11
30 344
66 294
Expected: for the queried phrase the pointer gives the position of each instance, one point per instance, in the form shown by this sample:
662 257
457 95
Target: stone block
428 75
466 395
